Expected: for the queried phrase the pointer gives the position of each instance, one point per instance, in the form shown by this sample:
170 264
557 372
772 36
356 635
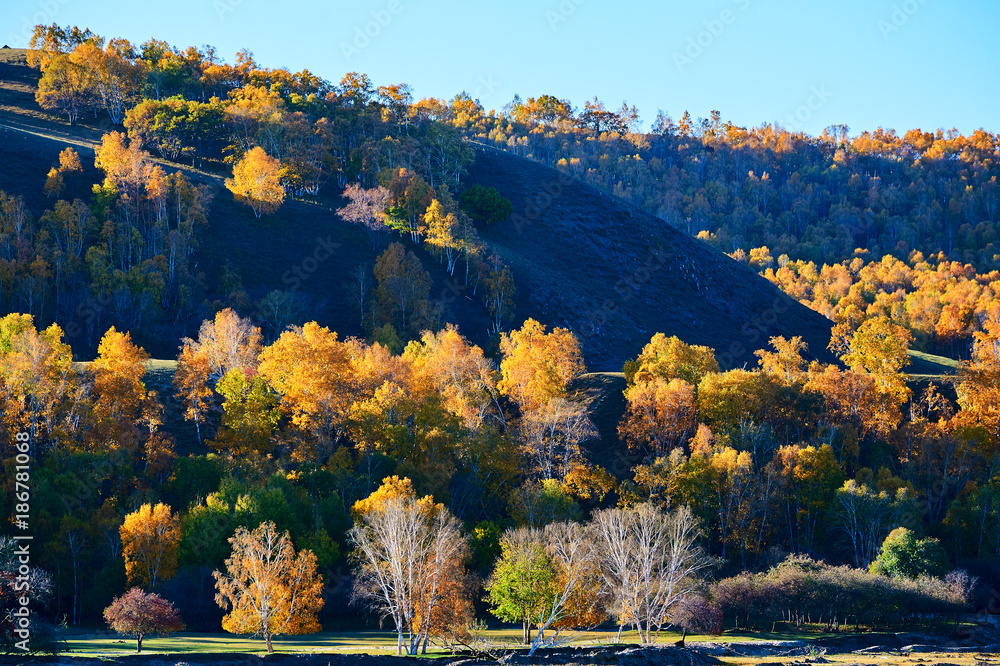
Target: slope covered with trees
158 246
380 329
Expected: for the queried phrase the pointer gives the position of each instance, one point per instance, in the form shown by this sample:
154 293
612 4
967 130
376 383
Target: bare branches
650 562
408 552
367 208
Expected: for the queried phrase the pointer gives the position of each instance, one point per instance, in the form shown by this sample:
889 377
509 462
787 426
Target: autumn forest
403 429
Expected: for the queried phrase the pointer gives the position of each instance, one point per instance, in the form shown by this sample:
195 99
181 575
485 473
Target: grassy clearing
105 644
930 367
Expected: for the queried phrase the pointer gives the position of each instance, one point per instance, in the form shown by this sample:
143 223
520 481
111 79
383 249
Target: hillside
616 275
581 258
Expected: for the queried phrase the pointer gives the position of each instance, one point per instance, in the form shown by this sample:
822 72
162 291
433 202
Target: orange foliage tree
660 415
120 392
458 370
268 589
150 537
36 375
311 370
979 391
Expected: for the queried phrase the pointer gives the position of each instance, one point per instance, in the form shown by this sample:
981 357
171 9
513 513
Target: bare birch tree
406 552
551 436
651 562
367 208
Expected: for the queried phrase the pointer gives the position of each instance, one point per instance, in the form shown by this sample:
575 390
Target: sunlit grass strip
351 642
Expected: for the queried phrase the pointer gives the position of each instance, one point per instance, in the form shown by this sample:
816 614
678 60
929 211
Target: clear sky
805 63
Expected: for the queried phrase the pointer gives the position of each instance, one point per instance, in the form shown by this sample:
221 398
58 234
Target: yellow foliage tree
67 86
227 342
880 349
69 160
441 229
538 366
54 184
125 164
462 375
118 373
311 370
150 537
191 382
256 182
268 589
661 414
36 374
785 362
672 358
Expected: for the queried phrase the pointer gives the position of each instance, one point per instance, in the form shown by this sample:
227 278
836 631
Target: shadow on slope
616 275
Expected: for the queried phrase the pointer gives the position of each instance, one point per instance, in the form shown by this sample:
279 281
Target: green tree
485 204
250 415
904 555
523 582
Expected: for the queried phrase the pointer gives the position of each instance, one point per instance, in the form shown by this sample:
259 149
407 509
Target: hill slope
582 258
616 275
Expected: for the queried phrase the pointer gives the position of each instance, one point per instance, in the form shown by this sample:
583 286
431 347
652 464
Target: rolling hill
581 258
616 275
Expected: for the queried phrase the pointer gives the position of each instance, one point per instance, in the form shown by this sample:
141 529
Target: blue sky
807 64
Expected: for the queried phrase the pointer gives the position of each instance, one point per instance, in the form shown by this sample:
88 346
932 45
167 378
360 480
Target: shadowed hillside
616 275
